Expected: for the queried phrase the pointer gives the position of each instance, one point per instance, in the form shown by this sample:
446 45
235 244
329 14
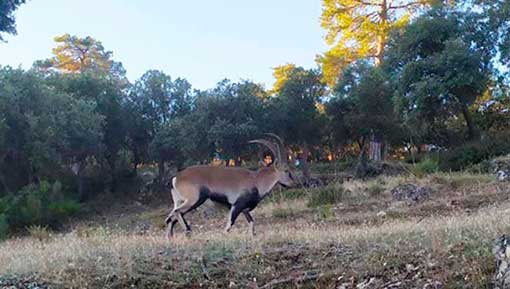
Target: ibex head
279 166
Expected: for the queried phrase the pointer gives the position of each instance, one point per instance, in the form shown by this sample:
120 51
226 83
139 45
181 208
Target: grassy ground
362 240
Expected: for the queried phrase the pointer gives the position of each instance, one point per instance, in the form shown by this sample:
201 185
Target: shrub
290 194
37 204
375 189
284 213
325 212
4 226
475 152
63 208
325 196
426 166
40 233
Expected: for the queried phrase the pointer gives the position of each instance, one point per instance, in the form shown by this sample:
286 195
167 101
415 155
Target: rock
314 183
502 175
21 283
501 250
500 167
381 214
370 283
433 285
410 193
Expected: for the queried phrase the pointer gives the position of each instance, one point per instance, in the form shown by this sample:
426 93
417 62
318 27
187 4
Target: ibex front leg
250 222
232 216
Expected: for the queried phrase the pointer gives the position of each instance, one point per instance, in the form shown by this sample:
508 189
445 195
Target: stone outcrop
410 193
501 250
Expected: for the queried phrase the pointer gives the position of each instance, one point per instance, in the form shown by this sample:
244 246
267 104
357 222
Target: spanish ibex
237 188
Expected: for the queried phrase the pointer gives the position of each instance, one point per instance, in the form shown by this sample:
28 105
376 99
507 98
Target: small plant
284 213
63 208
291 194
325 212
375 189
40 233
426 166
326 196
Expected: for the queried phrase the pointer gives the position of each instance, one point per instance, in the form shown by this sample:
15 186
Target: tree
42 129
74 54
357 111
439 69
7 21
109 98
155 100
359 30
230 115
295 112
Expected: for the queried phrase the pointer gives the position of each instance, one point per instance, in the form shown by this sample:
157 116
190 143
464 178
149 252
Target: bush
284 213
4 226
375 189
326 196
36 204
40 233
63 208
290 194
426 166
473 153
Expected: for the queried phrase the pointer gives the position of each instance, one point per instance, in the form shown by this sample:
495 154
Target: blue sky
203 41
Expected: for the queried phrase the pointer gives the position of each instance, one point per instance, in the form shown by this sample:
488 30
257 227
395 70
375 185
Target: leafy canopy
359 29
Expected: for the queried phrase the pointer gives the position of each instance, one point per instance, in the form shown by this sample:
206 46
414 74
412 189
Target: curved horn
270 146
281 146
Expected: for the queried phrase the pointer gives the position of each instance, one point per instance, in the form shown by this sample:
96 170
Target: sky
203 41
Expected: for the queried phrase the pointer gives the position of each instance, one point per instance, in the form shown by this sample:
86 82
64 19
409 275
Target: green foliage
288 194
473 153
439 66
294 113
41 204
63 208
375 189
359 29
75 54
40 233
325 212
7 21
4 226
357 110
427 165
284 213
325 196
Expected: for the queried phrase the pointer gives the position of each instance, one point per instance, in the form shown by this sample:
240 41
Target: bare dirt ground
366 240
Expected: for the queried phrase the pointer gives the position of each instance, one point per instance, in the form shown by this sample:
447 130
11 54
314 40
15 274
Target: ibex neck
266 180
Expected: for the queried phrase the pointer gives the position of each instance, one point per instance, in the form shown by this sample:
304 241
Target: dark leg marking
171 227
248 216
235 214
249 200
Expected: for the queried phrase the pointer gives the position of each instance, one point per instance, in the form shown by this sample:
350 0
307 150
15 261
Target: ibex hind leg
177 200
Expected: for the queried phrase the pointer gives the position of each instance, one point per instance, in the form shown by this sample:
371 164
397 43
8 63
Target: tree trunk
375 149
304 160
469 122
237 162
362 167
381 38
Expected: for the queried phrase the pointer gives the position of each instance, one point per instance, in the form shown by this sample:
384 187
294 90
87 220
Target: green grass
325 196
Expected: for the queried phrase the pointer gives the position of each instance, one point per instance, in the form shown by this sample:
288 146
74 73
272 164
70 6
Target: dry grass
447 248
